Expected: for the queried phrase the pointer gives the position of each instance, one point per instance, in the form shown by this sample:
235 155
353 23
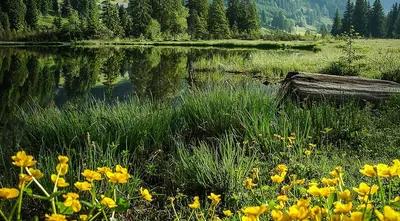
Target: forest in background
66 20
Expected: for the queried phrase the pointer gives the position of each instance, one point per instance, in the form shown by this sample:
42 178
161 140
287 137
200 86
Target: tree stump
316 87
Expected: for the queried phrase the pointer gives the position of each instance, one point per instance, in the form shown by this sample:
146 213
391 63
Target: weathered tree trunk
311 86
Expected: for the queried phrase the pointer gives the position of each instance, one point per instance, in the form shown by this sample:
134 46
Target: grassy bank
208 140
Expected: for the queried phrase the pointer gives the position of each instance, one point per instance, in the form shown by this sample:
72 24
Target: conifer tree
233 13
347 21
360 19
93 19
197 20
397 27
173 17
218 26
43 6
55 6
124 18
263 18
16 10
337 24
111 19
249 18
140 12
5 21
391 20
66 8
32 15
377 20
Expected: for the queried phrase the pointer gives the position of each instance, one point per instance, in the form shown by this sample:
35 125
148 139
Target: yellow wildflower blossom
62 168
311 145
342 208
254 211
108 202
23 160
389 214
368 170
61 181
36 173
364 189
227 213
83 186
145 194
195 204
62 159
104 170
278 178
283 198
345 195
71 199
23 178
307 152
118 177
214 198
248 182
277 215
83 217
56 217
282 168
9 193
91 175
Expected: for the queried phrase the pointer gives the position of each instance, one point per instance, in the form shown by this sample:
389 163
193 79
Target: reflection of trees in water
111 70
23 81
157 72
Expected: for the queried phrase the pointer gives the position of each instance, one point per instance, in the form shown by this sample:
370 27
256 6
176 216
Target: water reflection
56 75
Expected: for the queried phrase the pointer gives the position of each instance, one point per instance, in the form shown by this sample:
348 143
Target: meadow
268 158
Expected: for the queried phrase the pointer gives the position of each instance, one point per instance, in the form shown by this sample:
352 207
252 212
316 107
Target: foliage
218 26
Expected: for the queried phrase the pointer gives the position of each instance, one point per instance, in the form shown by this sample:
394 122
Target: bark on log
313 86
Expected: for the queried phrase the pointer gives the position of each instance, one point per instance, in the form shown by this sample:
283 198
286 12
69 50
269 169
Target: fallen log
312 86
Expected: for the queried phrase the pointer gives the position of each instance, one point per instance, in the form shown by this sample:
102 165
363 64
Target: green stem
93 194
94 217
191 214
381 193
105 215
173 208
115 200
12 211
37 183
3 215
20 201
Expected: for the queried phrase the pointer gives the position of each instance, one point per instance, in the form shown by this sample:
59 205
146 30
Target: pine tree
360 19
337 24
5 21
347 21
218 26
16 10
173 17
111 19
263 18
55 6
233 13
249 19
43 6
377 20
140 12
32 15
124 18
66 8
197 20
397 27
93 19
391 20
279 21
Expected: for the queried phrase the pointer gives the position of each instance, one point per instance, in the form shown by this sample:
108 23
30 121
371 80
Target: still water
45 76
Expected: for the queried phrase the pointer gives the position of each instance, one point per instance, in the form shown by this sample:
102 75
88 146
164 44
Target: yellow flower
248 182
313 184
255 211
330 182
23 160
364 189
395 199
299 182
61 181
282 168
307 152
362 206
104 170
278 179
388 214
227 213
246 218
195 204
286 188
108 202
62 159
83 186
311 145
283 198
62 168
255 172
342 208
291 139
56 217
345 195
71 199
277 215
356 216
145 194
303 202
83 217
314 190
118 177
91 175
121 169
326 191
368 170
335 173
279 137
36 173
296 212
23 178
9 193
215 199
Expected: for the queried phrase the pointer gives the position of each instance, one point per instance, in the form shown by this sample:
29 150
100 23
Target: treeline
367 20
140 19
